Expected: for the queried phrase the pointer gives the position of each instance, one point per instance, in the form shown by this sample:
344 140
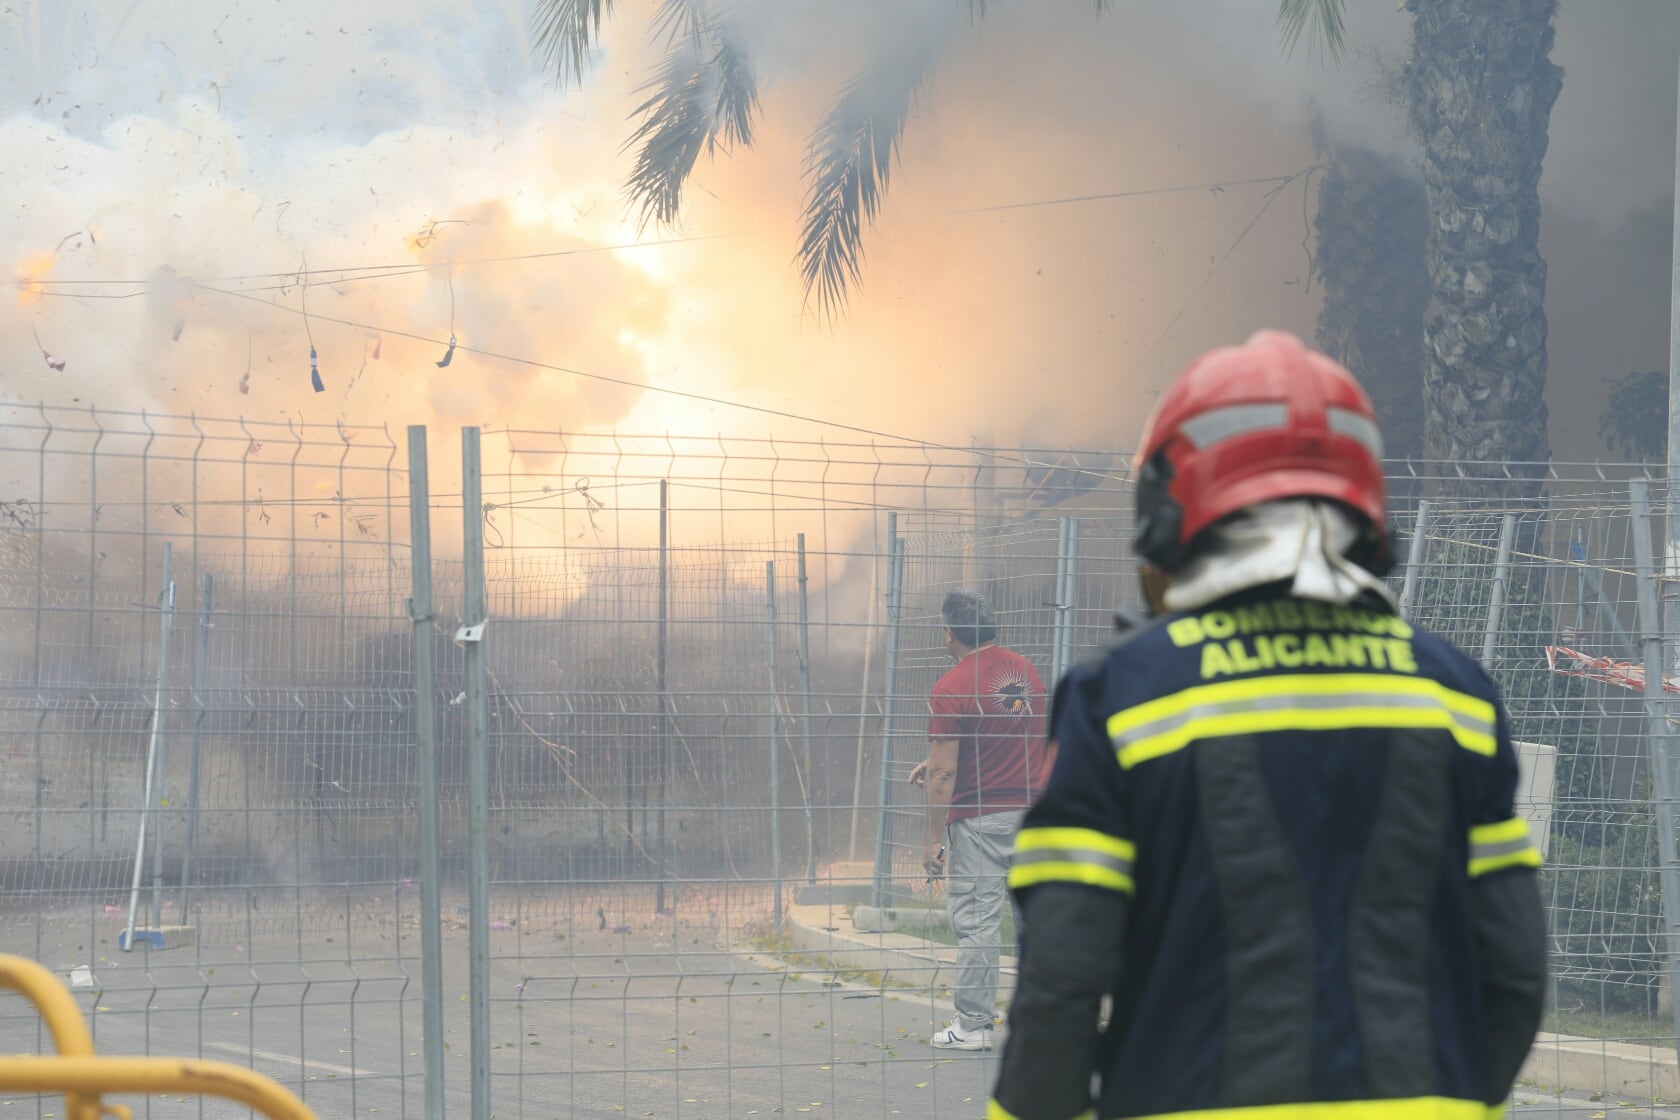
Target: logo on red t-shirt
1011 696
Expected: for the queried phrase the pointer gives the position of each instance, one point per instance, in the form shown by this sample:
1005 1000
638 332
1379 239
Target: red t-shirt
993 704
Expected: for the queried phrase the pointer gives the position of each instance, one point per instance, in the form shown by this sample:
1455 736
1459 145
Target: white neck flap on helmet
1303 540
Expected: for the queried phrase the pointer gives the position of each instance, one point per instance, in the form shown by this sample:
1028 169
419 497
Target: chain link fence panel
708 666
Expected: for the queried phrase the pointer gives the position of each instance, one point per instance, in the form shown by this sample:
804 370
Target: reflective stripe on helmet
1222 424
1346 422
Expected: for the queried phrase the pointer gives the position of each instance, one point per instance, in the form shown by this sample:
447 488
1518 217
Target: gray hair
969 618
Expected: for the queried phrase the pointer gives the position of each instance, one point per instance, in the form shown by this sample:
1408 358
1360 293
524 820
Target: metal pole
895 588
474 616
426 760
1072 597
201 662
166 616
1059 619
1672 608
805 713
1414 560
1496 597
662 685
775 771
1660 738
863 695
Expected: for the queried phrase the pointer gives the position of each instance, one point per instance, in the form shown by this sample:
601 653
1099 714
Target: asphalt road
650 1021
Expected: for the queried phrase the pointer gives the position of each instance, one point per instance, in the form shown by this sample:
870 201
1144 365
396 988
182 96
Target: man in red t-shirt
986 761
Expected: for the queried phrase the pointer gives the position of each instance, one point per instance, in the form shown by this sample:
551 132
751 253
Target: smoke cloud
246 168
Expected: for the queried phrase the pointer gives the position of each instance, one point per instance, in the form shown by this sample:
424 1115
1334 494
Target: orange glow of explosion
29 277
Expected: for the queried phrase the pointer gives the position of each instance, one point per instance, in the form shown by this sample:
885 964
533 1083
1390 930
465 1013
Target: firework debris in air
399 167
56 366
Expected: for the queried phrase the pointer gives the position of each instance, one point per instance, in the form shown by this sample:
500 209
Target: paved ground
654 1019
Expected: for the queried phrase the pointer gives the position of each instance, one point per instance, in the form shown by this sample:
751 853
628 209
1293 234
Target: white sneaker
953 1037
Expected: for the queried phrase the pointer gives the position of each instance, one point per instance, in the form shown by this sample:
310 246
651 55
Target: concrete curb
1615 1070
1590 1067
911 919
901 958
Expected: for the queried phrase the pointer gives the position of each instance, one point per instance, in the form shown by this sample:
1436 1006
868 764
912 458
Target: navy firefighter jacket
1281 836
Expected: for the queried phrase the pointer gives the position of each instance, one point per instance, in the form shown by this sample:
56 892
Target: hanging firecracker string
303 295
55 364
449 354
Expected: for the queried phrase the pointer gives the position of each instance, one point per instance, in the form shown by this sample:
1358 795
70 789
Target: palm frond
848 164
566 30
680 19
671 136
703 95
1322 22
737 91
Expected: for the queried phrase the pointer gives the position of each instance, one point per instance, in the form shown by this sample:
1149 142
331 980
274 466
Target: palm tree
1370 227
1480 87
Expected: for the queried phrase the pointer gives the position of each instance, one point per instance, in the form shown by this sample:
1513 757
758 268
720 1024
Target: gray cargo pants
977 884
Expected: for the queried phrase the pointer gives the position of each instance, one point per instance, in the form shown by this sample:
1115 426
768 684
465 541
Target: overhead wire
342 274
357 273
684 394
1271 196
996 456
1186 188
304 278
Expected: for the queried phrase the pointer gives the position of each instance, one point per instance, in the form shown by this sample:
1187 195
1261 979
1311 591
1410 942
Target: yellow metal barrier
82 1077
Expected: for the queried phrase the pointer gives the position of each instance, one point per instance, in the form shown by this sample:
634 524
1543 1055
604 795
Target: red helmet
1254 423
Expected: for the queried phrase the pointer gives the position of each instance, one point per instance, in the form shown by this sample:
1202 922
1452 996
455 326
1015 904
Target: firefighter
1277 870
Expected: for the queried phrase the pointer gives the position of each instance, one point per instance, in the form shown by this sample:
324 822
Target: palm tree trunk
1370 224
1481 85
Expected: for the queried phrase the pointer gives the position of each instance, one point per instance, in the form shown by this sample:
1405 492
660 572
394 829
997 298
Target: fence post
201 661
775 750
474 617
1659 737
1072 593
1059 622
863 688
1496 597
166 617
805 714
662 687
425 749
895 594
1414 560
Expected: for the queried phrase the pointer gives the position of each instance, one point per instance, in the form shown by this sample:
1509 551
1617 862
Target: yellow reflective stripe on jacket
1409 1108
995 1111
1494 847
1072 855
1303 701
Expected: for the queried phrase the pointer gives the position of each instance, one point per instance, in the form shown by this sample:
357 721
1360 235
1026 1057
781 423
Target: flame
29 277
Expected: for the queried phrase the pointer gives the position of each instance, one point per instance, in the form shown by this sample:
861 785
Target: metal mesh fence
708 666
